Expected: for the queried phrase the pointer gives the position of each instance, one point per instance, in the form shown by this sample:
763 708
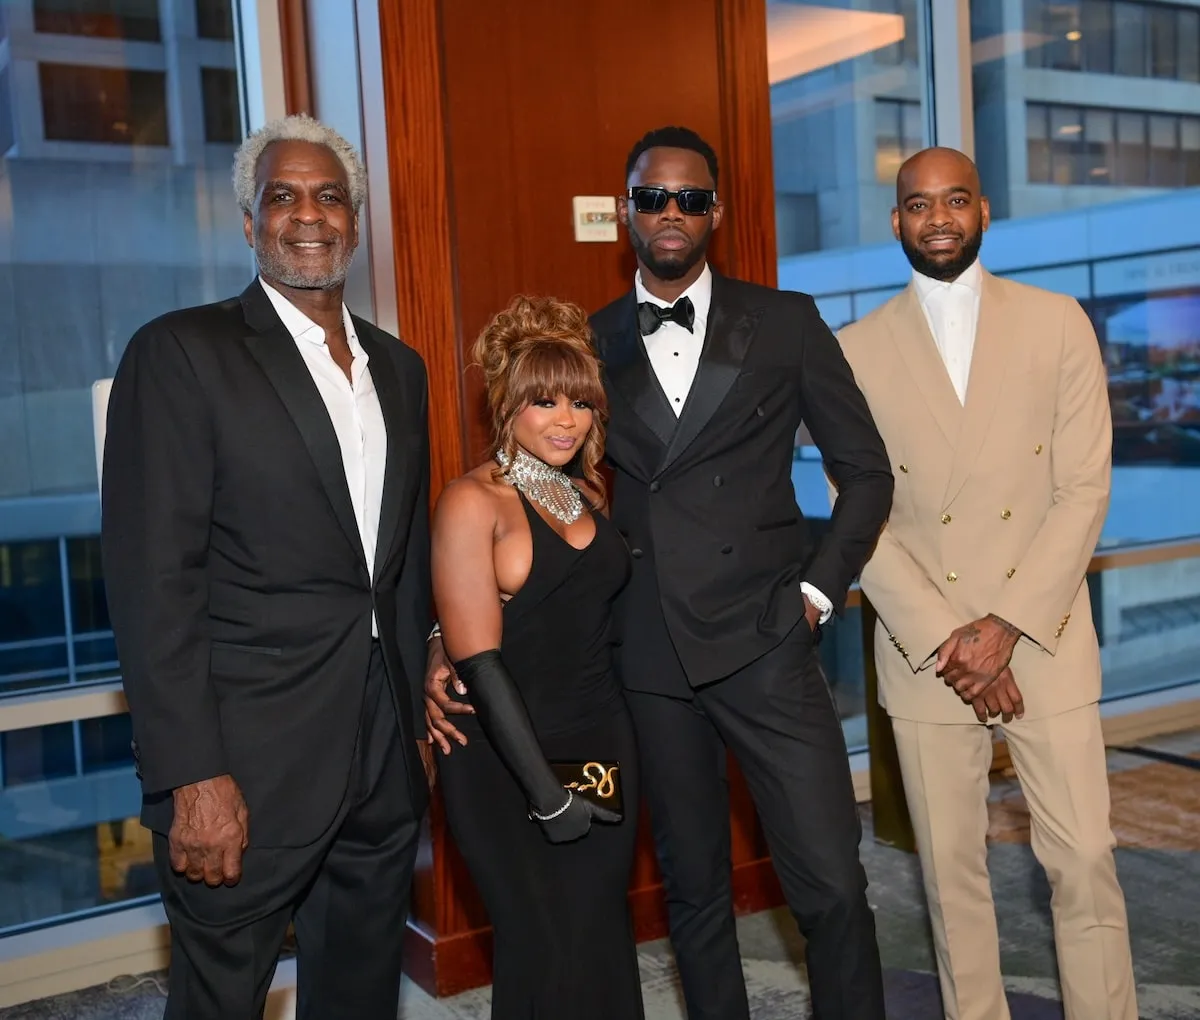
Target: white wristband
818 599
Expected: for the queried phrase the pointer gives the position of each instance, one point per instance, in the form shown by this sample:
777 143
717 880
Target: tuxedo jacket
237 584
706 502
999 501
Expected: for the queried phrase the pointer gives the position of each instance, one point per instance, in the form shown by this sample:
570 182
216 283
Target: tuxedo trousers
778 718
347 895
1061 766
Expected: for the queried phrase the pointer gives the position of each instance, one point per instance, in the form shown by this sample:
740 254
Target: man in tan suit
992 400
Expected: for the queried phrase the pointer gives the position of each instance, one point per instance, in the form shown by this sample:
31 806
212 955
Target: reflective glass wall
118 120
1087 136
850 101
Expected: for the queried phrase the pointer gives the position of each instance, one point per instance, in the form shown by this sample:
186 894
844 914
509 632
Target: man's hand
425 750
812 614
1002 698
438 704
971 658
210 831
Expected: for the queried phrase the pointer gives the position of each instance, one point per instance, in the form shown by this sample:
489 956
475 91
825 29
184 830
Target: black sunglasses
691 201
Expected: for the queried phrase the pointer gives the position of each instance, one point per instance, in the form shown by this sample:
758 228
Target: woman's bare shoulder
468 502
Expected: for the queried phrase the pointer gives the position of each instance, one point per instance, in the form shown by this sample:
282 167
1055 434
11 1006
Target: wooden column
497 115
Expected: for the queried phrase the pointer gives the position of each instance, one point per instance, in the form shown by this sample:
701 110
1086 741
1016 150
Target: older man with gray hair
265 538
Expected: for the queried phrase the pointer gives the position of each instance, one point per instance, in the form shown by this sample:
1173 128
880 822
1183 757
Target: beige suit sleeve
1047 578
910 605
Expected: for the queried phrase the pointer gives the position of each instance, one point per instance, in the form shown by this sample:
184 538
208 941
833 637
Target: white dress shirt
674 355
354 411
952 311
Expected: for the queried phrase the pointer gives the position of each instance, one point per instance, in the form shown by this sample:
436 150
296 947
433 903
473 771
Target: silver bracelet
545 818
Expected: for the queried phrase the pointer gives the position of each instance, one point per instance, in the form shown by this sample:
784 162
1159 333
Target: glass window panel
1130 246
1036 36
99 856
31 598
1189 45
1166 171
106 743
39 754
222 113
1038 139
912 128
1062 23
889 146
907 48
214 19
1133 163
1066 145
7 137
1135 267
110 19
1129 30
1097 31
1099 142
1164 42
92 195
840 129
103 104
96 658
1189 143
89 610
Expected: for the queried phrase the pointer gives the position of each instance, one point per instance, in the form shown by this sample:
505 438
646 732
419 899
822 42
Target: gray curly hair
299 127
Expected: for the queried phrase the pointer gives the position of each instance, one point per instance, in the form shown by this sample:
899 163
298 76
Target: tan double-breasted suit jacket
999 501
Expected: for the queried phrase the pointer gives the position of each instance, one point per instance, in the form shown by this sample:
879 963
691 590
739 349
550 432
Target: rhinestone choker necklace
545 485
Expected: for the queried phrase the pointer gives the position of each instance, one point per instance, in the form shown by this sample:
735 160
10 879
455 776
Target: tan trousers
1061 766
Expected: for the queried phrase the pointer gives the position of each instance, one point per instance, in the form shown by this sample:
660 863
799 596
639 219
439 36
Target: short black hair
672 138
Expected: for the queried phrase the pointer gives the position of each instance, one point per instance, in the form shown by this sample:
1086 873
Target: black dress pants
778 718
347 893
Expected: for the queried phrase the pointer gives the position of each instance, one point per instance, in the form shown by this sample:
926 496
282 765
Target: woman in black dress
525 570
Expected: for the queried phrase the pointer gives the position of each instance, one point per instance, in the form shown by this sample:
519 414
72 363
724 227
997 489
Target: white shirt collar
700 292
971 278
302 327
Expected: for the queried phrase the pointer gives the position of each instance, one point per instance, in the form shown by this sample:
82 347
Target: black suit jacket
706 501
237 583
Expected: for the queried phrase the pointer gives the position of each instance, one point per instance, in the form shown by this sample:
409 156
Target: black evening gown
563 940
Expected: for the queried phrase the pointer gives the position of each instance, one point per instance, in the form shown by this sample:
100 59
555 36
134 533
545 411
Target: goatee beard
944 271
669 269
274 266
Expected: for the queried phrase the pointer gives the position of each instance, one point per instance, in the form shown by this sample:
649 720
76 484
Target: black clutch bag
599 782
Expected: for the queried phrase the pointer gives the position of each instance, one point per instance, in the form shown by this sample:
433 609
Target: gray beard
271 265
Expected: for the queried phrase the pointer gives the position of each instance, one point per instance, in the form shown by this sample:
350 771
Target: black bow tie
651 316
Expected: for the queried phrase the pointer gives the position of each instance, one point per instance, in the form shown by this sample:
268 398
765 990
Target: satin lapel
275 351
630 373
392 403
989 365
731 328
910 331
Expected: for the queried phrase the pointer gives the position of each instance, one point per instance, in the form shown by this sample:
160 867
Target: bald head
935 167
940 213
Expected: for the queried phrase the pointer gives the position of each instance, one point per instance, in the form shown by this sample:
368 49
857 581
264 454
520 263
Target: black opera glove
505 721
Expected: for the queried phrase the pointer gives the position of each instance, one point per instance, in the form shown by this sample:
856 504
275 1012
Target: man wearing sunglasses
709 379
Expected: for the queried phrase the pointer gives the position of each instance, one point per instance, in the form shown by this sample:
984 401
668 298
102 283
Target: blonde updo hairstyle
537 349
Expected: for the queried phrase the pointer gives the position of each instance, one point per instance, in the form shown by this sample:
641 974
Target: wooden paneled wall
497 115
